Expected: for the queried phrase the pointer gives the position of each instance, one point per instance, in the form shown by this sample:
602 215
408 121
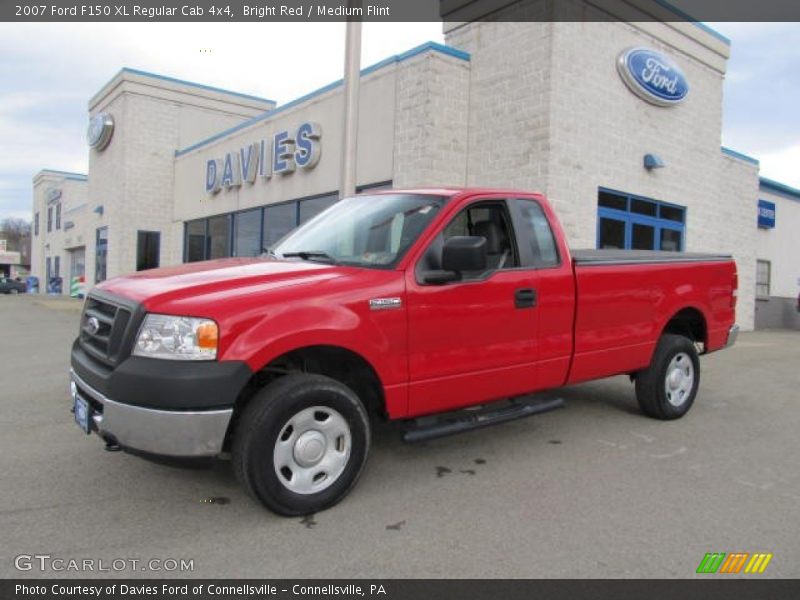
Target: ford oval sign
652 76
101 128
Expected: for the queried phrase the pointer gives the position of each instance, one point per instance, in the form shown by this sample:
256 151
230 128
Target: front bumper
177 433
733 333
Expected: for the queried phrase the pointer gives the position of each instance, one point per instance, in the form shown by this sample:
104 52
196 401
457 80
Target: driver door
472 340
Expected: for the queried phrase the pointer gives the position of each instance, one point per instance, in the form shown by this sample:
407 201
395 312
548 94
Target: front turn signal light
207 335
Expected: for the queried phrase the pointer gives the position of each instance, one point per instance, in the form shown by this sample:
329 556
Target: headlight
177 338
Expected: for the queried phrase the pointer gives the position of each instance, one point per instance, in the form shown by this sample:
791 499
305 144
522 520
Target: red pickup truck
442 308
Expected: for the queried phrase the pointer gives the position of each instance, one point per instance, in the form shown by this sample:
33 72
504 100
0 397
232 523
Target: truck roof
455 190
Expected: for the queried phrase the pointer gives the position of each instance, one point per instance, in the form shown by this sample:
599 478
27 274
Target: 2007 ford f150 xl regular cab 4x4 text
397 304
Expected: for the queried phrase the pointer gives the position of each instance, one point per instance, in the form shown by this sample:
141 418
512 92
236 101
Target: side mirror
459 254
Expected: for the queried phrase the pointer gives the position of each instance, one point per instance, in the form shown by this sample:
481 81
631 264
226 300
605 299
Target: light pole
352 69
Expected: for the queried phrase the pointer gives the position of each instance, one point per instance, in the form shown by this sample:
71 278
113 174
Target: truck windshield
366 231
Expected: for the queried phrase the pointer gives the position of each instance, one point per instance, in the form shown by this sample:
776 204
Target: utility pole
352 76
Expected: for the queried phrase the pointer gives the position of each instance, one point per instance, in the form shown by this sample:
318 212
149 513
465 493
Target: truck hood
213 277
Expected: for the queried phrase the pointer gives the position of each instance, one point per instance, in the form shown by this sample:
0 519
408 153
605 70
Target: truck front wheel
667 388
301 444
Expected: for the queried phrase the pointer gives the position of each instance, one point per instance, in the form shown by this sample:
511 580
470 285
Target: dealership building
618 123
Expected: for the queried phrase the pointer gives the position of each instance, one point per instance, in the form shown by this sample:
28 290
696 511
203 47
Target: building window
49 219
218 242
58 215
279 220
57 266
101 254
251 232
763 274
36 224
48 270
247 233
632 222
313 206
195 241
148 245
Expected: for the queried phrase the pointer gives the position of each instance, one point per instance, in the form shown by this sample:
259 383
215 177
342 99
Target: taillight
735 290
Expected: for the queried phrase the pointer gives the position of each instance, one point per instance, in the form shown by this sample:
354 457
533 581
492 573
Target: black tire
662 392
269 414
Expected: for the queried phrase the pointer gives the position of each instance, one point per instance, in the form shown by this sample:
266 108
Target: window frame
630 218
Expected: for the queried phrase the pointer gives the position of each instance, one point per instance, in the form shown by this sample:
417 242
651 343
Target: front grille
105 329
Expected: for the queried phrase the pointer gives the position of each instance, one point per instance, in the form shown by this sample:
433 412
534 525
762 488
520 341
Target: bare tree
17 233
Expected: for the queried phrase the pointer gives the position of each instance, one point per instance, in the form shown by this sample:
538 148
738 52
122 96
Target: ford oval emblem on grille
92 325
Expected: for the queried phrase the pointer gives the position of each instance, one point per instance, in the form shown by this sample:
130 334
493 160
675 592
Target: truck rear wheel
301 444
667 388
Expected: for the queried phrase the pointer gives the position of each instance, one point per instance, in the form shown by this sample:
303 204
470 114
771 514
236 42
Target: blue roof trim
397 58
193 84
67 174
722 38
781 188
684 15
740 156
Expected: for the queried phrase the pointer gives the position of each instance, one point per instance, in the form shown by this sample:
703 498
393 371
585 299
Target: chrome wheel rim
312 450
679 379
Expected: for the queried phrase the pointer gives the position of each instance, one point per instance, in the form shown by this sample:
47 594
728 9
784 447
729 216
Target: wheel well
689 323
335 362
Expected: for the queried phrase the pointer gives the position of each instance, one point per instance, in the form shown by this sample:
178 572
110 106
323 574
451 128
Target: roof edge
740 156
777 186
210 88
394 59
65 174
684 15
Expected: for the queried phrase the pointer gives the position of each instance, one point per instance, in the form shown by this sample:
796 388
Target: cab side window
489 220
534 227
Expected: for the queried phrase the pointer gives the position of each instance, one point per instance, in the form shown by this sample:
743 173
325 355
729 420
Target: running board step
428 428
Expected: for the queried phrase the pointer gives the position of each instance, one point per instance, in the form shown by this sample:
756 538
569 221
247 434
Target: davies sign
652 76
281 154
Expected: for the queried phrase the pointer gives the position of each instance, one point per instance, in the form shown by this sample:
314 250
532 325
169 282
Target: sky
48 73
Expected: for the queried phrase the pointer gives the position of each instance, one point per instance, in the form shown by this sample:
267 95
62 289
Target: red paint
452 345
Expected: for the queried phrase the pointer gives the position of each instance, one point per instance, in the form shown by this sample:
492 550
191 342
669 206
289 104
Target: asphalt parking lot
593 490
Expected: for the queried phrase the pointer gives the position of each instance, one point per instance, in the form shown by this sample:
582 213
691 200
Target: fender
379 337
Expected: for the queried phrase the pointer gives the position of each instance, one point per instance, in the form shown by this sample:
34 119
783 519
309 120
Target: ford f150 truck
443 308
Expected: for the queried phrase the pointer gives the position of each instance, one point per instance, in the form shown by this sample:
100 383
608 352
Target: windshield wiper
311 255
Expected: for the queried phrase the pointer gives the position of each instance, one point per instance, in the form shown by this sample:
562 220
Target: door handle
525 298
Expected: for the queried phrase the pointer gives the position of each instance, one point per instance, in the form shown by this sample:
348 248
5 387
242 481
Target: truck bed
626 297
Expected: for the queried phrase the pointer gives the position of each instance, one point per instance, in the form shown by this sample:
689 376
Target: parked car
403 305
11 286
